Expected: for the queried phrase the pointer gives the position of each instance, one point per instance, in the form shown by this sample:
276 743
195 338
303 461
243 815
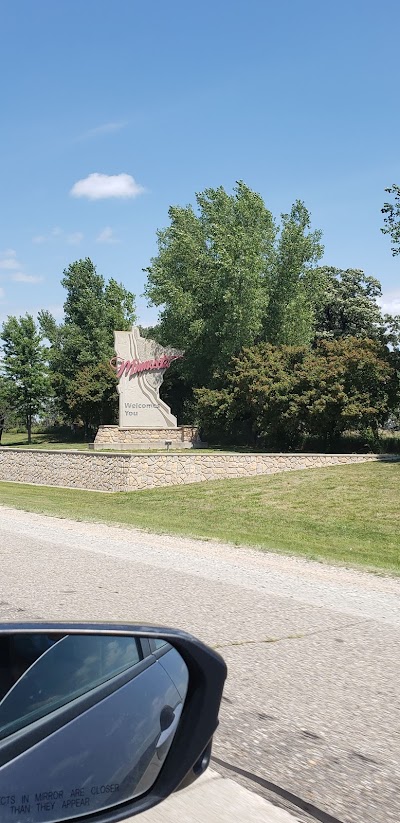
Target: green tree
92 395
211 278
82 345
348 304
254 405
346 384
24 367
392 330
279 395
391 212
295 284
225 280
7 402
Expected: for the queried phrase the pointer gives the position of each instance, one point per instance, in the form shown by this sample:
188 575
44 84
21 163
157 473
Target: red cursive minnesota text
129 367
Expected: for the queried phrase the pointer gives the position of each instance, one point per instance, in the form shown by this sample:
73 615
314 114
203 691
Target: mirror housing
184 754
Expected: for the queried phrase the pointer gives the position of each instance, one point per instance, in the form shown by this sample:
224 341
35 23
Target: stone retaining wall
129 472
117 438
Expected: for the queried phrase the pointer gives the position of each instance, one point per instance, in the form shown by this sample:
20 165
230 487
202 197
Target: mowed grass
344 514
41 441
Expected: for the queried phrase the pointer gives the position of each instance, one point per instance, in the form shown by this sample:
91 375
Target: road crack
298 636
258 641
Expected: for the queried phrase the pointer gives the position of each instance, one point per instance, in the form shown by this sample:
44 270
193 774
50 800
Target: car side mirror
101 719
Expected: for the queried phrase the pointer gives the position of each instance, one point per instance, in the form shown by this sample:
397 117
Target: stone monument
145 421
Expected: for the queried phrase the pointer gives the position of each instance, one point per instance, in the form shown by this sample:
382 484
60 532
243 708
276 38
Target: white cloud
102 186
105 128
10 263
8 260
106 236
390 302
75 238
20 277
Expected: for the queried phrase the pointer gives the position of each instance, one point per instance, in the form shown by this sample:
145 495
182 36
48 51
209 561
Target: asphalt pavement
310 716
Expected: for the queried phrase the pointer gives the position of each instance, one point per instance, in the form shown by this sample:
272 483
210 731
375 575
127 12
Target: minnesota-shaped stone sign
140 365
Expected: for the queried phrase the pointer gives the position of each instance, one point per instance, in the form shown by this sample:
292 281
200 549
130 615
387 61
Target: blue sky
149 102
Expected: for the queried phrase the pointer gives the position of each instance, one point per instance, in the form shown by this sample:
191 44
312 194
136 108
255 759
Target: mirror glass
86 721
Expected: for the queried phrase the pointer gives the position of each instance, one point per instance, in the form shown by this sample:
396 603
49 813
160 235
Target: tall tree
295 285
92 395
391 212
82 345
211 278
348 305
7 402
24 367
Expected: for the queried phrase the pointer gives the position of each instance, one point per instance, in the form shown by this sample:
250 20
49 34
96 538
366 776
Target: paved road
312 699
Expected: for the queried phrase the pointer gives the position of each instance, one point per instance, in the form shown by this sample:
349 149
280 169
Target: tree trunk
327 440
2 422
29 428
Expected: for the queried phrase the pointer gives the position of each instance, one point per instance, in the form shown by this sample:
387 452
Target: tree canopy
26 383
279 395
348 304
81 346
391 212
7 402
227 276
293 281
211 277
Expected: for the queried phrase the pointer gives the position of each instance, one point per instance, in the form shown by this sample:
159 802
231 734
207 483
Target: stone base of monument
122 439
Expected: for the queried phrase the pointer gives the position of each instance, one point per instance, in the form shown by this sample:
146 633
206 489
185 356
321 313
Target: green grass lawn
345 514
41 441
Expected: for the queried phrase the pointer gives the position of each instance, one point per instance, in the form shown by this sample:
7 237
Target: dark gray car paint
105 756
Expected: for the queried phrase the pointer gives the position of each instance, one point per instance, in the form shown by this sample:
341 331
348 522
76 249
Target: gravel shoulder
350 591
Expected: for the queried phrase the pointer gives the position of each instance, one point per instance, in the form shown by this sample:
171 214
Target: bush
286 396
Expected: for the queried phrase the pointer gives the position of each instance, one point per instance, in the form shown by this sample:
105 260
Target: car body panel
127 748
